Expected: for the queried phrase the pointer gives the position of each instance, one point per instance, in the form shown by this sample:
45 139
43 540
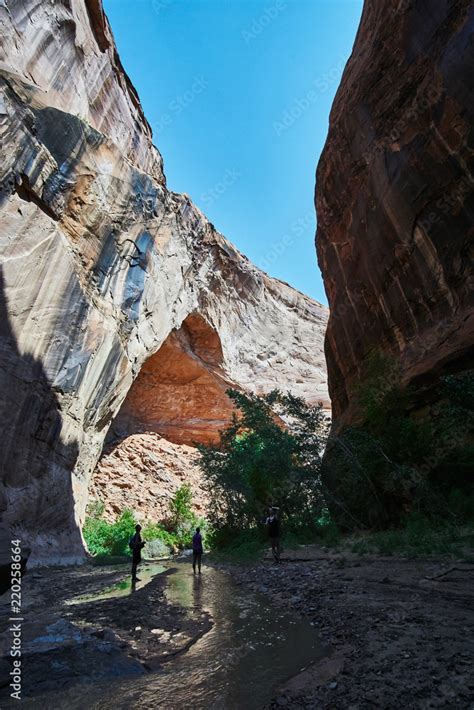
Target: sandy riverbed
401 631
397 632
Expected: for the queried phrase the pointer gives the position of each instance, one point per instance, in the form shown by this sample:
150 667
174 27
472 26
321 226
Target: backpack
131 543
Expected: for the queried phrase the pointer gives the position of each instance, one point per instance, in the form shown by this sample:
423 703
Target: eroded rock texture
142 472
395 198
101 265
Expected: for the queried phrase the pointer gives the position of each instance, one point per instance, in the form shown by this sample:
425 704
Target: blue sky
238 94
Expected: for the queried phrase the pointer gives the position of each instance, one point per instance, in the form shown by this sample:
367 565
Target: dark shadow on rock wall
36 496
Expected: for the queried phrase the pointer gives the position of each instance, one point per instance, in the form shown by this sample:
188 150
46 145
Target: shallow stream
251 649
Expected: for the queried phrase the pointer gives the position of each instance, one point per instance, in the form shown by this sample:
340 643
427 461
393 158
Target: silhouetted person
274 532
136 545
197 550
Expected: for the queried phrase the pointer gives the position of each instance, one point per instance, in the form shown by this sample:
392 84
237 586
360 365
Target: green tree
180 506
183 520
103 538
269 455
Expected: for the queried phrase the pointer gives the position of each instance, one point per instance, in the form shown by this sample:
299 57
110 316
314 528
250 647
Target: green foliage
450 463
183 522
420 535
95 508
327 532
461 505
385 405
103 538
368 489
269 455
180 506
243 546
459 390
398 462
157 531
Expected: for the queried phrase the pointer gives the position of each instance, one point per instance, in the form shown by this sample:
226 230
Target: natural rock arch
101 262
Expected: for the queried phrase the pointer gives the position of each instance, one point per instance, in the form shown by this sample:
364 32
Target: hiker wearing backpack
136 545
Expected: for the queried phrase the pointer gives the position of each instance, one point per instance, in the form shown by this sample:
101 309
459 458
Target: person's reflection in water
197 591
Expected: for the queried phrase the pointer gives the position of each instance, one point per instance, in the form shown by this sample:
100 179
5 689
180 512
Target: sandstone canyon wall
101 266
395 200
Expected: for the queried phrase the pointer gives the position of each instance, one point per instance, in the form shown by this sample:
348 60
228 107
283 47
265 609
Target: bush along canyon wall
109 279
395 206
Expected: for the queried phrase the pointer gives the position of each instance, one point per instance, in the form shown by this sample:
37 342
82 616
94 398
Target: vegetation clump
104 538
403 478
410 452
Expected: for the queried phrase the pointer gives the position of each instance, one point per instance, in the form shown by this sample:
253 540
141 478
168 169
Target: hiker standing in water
274 532
197 550
136 545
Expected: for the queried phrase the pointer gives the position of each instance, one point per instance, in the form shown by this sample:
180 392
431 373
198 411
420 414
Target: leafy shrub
367 488
461 505
420 535
103 538
327 531
180 506
96 534
95 508
157 531
183 521
242 546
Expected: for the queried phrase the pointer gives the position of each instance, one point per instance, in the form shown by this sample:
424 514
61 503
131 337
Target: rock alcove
180 391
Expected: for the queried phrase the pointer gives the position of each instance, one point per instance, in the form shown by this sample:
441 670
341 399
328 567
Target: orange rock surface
180 391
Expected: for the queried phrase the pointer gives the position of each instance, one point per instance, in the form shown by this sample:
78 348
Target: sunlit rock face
142 472
105 271
395 198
